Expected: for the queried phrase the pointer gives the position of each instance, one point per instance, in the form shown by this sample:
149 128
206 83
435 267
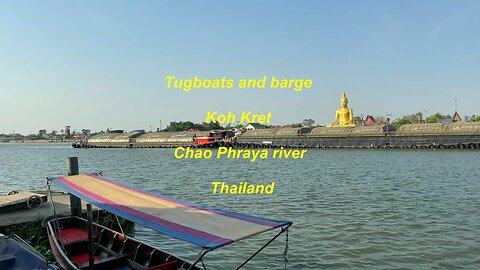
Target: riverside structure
341 133
457 135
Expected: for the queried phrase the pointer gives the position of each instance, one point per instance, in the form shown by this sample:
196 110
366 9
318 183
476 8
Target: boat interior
112 250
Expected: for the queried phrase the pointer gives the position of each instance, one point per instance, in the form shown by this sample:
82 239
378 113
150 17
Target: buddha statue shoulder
344 115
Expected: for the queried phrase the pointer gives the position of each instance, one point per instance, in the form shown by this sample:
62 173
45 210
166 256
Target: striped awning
200 225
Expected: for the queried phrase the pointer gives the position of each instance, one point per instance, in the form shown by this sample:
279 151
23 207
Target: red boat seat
73 235
173 265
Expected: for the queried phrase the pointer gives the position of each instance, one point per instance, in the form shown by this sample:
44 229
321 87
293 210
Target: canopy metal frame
283 230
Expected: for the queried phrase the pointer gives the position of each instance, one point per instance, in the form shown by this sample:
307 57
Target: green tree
308 122
400 122
414 118
357 120
187 125
179 126
210 126
435 117
31 137
475 118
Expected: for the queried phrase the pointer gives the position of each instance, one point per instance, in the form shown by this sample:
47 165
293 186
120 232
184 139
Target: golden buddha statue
344 115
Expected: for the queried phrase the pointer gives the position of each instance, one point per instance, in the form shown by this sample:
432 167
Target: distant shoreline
38 141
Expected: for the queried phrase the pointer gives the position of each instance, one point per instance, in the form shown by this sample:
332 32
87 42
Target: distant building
67 131
456 117
446 120
369 121
86 132
42 134
252 126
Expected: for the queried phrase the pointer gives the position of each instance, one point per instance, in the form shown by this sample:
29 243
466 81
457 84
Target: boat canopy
204 226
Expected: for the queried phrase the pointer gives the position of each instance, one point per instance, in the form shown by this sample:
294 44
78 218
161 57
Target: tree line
187 125
434 118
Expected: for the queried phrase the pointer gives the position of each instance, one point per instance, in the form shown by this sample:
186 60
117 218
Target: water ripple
352 209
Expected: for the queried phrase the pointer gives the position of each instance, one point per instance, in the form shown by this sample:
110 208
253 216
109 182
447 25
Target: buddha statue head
344 100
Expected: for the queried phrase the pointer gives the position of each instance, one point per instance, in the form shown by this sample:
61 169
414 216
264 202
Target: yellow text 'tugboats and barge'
232 153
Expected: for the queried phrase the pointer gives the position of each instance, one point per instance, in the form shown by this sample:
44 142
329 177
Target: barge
457 135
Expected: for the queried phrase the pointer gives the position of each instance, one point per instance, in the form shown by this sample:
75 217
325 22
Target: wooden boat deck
19 199
25 215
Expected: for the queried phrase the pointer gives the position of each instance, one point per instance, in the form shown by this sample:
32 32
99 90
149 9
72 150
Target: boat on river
82 244
17 254
112 250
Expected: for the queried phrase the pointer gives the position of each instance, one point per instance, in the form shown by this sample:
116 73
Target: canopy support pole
75 202
91 261
200 257
264 246
56 226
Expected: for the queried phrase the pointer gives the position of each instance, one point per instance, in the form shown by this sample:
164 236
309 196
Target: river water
352 209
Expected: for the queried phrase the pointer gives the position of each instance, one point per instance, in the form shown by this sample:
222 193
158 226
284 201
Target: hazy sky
102 64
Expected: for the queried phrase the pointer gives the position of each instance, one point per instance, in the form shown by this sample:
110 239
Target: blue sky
102 64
